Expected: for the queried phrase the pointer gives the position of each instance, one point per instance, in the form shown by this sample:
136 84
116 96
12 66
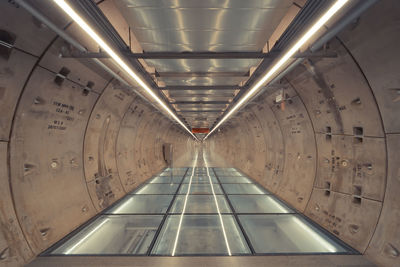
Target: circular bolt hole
54 164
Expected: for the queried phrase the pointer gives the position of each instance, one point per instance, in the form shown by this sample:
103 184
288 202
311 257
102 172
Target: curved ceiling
202 26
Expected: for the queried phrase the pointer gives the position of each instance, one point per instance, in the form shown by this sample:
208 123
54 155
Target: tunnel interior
80 133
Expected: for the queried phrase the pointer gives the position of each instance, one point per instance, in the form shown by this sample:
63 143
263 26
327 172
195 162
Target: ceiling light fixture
120 62
268 77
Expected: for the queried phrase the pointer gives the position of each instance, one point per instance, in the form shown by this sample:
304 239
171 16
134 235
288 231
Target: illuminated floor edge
199 211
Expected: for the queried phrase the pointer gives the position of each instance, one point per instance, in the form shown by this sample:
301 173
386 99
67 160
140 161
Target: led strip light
317 237
268 77
277 205
69 251
184 208
218 210
125 204
120 62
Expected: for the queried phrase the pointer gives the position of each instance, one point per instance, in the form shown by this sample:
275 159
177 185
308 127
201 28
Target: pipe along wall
73 141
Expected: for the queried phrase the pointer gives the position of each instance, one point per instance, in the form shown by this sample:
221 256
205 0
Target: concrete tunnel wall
332 150
66 152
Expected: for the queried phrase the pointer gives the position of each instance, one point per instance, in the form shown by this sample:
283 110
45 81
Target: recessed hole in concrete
88 88
357 200
328 185
357 190
358 134
327 193
356 102
62 74
328 135
7 42
358 131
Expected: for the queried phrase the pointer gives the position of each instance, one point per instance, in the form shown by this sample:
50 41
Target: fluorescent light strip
285 58
218 210
184 208
278 205
75 17
262 192
123 205
86 236
317 237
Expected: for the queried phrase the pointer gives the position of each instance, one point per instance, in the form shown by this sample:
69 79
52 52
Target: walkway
200 211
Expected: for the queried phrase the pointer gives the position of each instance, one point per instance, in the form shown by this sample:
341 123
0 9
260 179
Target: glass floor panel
257 204
201 204
243 189
166 180
200 234
234 180
143 204
200 189
286 234
158 189
227 172
221 174
173 172
238 217
114 234
200 179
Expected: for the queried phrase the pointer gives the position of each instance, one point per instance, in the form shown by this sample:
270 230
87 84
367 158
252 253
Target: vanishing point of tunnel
199 133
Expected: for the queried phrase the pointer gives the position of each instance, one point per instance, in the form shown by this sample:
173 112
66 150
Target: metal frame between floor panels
233 213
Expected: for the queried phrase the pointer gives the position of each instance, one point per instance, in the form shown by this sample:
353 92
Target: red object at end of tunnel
200 130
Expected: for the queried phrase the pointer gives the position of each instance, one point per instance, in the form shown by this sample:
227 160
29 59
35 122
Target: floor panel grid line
200 211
